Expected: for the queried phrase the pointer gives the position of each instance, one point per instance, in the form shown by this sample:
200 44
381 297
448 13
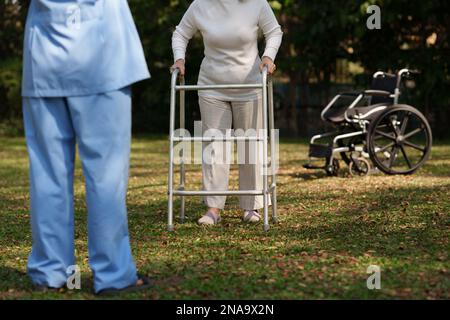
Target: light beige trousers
220 116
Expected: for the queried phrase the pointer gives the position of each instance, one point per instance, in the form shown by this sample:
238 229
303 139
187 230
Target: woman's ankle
215 211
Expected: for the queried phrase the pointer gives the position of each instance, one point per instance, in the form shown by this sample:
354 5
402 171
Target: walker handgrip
175 72
265 70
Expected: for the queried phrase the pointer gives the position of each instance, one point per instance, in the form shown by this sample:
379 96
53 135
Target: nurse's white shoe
251 216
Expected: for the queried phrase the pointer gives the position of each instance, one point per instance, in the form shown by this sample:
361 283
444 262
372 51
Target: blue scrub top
80 47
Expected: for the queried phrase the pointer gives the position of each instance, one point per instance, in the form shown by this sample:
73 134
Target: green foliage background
317 34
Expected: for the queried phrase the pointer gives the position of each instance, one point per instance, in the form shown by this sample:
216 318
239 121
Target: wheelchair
380 135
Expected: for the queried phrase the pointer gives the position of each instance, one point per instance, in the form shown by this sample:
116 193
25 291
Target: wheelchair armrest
356 95
378 93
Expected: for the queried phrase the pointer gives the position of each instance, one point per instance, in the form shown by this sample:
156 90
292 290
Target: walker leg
273 151
171 151
265 152
170 213
170 204
182 169
266 211
266 223
182 208
274 206
170 192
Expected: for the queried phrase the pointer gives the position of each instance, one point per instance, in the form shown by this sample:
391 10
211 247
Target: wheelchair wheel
359 167
399 140
333 170
353 143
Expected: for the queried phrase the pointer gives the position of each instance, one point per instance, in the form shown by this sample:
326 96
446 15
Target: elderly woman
230 34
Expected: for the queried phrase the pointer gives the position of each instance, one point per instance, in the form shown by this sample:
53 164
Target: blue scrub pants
101 127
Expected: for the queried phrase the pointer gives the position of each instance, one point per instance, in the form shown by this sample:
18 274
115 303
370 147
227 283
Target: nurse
80 58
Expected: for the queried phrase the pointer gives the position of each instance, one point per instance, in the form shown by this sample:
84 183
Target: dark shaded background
327 48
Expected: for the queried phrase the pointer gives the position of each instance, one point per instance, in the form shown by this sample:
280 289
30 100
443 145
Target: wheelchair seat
367 112
337 114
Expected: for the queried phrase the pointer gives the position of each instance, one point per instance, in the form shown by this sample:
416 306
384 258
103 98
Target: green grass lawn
330 231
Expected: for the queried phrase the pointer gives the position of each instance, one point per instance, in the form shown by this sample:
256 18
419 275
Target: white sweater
230 35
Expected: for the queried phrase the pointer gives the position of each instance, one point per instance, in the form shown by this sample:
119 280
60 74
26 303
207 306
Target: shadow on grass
13 279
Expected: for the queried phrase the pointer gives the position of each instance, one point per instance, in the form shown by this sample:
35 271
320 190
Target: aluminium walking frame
268 122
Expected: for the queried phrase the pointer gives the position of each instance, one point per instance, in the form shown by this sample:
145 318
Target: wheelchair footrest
320 151
312 167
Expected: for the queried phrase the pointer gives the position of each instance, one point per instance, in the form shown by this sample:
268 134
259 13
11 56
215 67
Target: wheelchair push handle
402 73
414 71
408 73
